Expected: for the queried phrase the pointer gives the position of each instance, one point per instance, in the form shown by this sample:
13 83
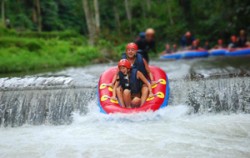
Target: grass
25 52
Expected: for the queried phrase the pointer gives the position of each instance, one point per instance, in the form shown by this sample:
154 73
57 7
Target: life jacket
138 64
130 82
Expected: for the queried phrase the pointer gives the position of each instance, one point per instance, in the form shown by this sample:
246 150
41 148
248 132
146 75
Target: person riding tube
147 44
129 80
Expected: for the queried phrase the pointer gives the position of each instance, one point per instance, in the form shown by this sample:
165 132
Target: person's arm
112 84
144 80
148 70
114 89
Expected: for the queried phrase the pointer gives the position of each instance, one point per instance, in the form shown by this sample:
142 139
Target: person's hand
151 95
110 85
153 83
113 98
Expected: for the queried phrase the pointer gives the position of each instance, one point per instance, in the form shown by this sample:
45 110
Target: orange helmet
132 45
125 63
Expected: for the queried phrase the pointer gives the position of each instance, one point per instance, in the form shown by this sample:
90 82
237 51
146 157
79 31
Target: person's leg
144 94
119 94
136 102
127 98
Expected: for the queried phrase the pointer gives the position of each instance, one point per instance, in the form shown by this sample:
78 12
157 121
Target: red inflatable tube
160 100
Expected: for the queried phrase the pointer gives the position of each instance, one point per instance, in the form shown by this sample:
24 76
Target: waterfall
54 104
213 95
47 106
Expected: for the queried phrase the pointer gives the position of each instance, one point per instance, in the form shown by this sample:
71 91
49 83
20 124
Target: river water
56 114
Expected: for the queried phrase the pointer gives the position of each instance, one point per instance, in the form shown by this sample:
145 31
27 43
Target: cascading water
67 99
213 95
38 107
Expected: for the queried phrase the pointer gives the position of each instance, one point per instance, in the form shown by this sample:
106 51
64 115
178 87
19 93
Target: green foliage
63 41
19 54
22 22
50 16
207 19
66 35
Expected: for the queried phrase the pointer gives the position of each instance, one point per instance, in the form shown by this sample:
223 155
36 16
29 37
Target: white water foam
169 132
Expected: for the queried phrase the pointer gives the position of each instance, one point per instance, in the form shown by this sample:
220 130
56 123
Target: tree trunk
128 12
149 5
117 19
36 15
97 17
89 20
170 15
144 14
39 17
3 12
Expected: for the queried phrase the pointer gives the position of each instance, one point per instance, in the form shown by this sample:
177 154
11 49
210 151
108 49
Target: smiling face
131 53
124 70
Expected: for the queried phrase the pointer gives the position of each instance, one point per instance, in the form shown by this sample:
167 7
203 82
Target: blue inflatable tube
175 56
218 52
195 54
185 55
239 52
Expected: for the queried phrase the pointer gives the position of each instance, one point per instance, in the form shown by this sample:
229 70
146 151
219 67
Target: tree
89 20
3 12
93 21
148 5
170 14
97 17
49 12
128 12
117 19
187 12
37 15
207 19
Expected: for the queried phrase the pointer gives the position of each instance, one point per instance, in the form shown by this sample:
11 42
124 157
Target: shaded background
37 35
208 19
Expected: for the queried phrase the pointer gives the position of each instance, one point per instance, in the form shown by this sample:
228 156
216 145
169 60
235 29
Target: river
56 114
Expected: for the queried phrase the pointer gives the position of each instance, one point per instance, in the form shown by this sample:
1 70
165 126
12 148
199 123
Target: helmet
150 31
125 63
132 45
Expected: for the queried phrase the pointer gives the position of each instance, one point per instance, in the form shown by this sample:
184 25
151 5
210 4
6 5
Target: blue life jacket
132 83
139 64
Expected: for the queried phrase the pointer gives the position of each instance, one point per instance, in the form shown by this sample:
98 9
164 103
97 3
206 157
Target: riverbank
32 51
